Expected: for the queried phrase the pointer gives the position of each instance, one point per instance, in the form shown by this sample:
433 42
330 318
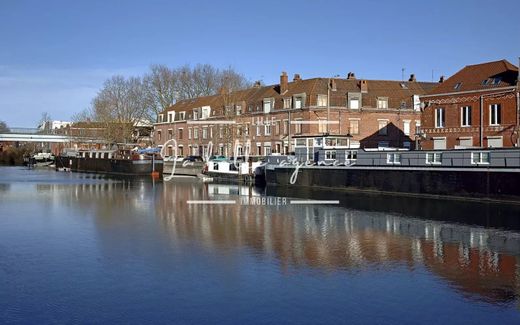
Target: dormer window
268 105
322 101
195 114
287 102
182 116
485 82
161 117
457 85
496 80
238 109
354 100
382 102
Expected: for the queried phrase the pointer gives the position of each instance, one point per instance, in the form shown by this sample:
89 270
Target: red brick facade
376 113
452 114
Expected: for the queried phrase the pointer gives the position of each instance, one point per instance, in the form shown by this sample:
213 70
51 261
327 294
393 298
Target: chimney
412 78
284 82
297 77
364 86
351 76
441 80
257 84
333 85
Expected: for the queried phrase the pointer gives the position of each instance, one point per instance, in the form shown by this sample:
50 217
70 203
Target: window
239 109
246 129
440 118
285 127
267 128
180 133
322 101
496 80
322 126
485 82
220 132
159 135
258 132
480 158
204 133
287 102
330 154
205 112
298 102
494 114
170 116
267 150
268 105
466 142
382 102
495 142
298 126
170 134
161 118
457 85
190 131
277 129
393 158
195 133
465 116
439 143
383 127
354 126
433 158
406 127
195 114
182 116
353 103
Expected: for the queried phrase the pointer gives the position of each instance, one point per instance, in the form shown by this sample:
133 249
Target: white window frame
465 116
330 154
287 103
382 102
321 101
440 118
407 126
494 114
480 158
434 158
393 158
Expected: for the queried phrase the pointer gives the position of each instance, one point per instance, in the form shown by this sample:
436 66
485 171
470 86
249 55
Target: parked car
193 159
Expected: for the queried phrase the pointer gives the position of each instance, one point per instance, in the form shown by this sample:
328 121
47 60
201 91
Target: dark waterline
89 249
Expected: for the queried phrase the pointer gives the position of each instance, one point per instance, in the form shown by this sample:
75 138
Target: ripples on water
85 248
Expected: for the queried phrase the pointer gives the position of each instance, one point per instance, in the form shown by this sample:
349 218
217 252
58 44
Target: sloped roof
395 91
481 76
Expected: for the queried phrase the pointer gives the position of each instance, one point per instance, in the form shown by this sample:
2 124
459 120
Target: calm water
80 248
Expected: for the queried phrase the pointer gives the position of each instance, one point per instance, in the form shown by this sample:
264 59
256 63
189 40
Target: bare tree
119 106
43 124
160 89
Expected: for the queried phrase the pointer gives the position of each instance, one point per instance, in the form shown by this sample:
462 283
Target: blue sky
55 55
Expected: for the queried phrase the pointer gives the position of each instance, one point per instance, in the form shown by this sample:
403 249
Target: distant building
376 113
476 107
53 125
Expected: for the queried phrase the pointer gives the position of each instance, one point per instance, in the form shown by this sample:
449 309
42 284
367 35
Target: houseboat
330 162
141 162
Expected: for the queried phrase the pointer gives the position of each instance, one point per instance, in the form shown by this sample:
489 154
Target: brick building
375 112
476 107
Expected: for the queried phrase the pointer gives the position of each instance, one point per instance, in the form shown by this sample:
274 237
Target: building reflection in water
480 263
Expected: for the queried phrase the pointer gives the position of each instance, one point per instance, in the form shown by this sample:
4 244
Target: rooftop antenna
432 75
402 74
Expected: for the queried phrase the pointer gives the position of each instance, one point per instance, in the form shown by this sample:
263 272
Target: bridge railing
17 130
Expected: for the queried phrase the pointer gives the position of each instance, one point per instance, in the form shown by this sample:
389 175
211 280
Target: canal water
79 248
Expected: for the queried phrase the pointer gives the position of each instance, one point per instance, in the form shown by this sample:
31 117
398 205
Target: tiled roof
395 91
487 75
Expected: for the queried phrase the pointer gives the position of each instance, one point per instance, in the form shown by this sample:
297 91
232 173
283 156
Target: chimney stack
351 76
297 77
284 83
441 80
257 84
333 85
412 78
364 86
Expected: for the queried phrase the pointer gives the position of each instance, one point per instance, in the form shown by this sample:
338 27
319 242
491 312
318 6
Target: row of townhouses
476 107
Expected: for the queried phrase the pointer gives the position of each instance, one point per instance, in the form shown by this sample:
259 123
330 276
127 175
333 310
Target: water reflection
367 233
